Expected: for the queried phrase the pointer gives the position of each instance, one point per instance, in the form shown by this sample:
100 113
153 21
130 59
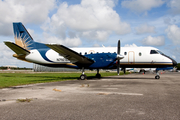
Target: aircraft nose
174 62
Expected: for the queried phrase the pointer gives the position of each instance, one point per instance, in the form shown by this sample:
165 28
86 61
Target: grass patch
15 79
24 100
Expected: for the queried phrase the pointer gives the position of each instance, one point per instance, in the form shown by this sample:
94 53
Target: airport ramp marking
115 93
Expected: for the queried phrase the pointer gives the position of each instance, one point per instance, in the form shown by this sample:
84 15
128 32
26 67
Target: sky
93 23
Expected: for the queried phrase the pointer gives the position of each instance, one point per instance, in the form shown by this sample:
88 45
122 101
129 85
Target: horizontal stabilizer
17 49
71 55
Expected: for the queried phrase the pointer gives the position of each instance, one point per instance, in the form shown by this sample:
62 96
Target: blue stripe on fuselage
43 49
43 54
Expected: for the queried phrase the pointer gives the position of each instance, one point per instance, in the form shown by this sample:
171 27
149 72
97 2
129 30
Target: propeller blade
118 53
118 47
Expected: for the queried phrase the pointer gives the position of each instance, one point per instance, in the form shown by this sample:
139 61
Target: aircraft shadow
121 77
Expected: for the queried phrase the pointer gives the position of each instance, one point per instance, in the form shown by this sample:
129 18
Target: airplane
57 55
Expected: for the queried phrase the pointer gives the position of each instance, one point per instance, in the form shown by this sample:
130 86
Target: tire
98 75
83 77
157 77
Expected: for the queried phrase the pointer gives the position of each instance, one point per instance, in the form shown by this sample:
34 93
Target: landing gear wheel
83 77
157 77
98 75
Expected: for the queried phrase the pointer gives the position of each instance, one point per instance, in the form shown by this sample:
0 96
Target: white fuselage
133 56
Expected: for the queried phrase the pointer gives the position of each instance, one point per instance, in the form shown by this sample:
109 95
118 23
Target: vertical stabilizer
22 37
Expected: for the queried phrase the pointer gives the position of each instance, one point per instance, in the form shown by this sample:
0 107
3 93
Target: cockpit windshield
153 52
156 52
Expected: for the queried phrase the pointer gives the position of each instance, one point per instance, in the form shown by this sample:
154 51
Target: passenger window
125 53
140 53
153 52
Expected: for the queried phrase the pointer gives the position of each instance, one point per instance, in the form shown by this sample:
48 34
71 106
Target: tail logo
22 42
22 37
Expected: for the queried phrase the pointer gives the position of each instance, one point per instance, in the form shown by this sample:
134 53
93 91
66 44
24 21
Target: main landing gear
98 75
157 75
83 76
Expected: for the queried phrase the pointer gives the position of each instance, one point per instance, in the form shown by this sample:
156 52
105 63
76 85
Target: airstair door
131 57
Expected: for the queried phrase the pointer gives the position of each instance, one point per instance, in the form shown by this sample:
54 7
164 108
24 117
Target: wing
71 55
17 49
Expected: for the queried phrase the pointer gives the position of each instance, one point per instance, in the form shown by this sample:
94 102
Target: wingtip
7 41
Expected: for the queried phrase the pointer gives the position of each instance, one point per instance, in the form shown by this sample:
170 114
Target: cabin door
131 57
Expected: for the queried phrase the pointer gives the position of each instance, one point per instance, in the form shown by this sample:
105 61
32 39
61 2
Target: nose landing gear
157 75
83 76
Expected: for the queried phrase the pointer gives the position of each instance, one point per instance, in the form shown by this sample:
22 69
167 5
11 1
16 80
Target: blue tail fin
22 37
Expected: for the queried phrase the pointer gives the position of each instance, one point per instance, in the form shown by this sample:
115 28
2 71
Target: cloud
173 56
133 45
154 41
174 52
145 29
94 20
141 5
31 32
174 5
96 45
32 11
100 35
34 35
70 42
167 20
173 33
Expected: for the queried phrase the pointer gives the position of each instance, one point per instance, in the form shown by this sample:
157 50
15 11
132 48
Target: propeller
119 56
118 52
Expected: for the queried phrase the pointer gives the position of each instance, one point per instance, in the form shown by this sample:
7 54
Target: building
40 68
